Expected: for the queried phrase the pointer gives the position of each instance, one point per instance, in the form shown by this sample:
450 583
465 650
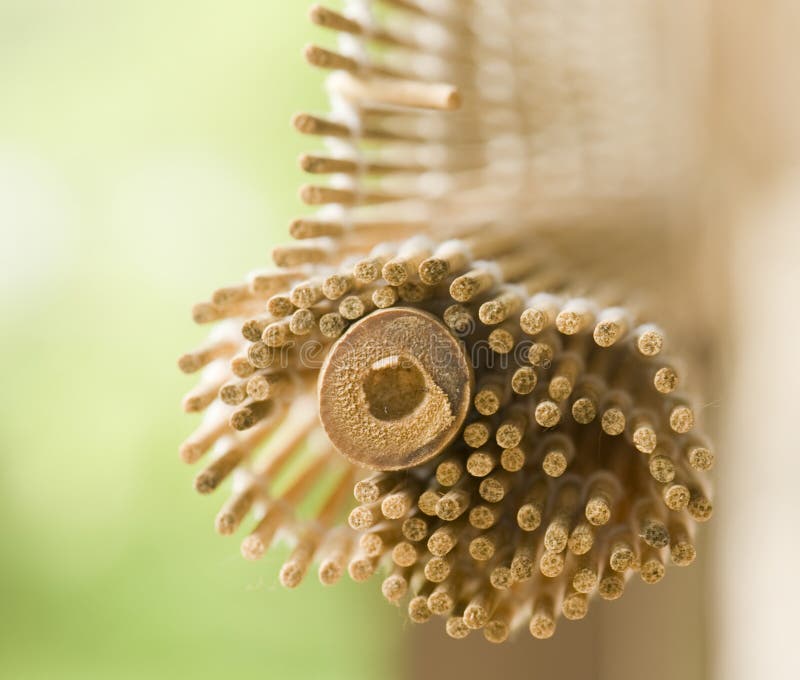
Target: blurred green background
145 158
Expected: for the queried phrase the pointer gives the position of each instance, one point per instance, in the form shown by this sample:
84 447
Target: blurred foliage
145 158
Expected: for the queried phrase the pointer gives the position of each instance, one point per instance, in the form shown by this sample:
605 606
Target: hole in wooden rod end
394 387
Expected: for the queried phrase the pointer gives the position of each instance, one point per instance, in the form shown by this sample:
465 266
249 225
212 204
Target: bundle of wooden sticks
446 318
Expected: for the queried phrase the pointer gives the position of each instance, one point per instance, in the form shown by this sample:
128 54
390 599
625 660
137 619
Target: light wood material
394 390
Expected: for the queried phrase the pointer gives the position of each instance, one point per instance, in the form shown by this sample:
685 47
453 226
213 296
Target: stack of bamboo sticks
460 173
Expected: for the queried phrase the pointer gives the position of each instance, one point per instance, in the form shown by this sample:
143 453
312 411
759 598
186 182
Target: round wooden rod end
394 389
